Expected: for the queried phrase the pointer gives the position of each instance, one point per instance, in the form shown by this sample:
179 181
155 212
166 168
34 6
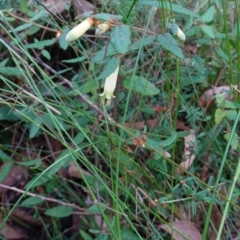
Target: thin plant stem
223 162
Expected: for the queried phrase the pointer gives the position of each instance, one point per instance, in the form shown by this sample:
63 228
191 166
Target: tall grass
130 182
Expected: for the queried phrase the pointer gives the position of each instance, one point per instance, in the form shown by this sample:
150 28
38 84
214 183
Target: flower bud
79 30
109 86
102 28
181 35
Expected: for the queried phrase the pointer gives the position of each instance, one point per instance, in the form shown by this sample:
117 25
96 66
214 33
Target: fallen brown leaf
74 172
189 147
56 6
135 125
11 232
26 217
84 6
207 97
16 177
186 228
152 123
182 126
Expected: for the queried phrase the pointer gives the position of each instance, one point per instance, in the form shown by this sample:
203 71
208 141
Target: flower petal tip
102 28
109 86
79 30
181 35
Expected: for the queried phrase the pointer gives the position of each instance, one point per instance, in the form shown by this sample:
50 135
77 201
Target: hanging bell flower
79 30
180 34
176 30
109 86
102 28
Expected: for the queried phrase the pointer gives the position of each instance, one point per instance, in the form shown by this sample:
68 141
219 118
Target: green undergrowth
161 158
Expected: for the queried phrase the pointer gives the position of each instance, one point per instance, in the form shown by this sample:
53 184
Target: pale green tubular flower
180 34
109 86
102 28
79 30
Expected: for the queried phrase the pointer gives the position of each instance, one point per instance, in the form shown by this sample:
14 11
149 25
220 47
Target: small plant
123 125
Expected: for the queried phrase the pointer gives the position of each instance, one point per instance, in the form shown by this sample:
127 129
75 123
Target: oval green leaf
208 31
59 211
109 67
121 38
170 44
208 15
140 85
32 201
107 17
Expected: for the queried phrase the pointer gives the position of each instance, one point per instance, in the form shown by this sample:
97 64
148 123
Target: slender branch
40 101
73 205
51 13
33 23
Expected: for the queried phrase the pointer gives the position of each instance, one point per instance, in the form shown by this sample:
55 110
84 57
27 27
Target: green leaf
35 163
98 209
46 54
4 157
85 236
92 181
219 115
21 27
228 104
5 169
103 236
53 122
11 71
106 16
231 114
140 85
41 44
208 15
157 164
62 160
128 11
126 234
165 5
35 126
195 78
89 86
110 67
146 41
193 31
170 44
79 137
201 195
38 15
59 211
220 98
125 160
32 201
168 141
208 31
34 182
24 7
198 63
106 51
222 55
234 142
4 62
120 38
62 40
75 60
9 114
33 30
